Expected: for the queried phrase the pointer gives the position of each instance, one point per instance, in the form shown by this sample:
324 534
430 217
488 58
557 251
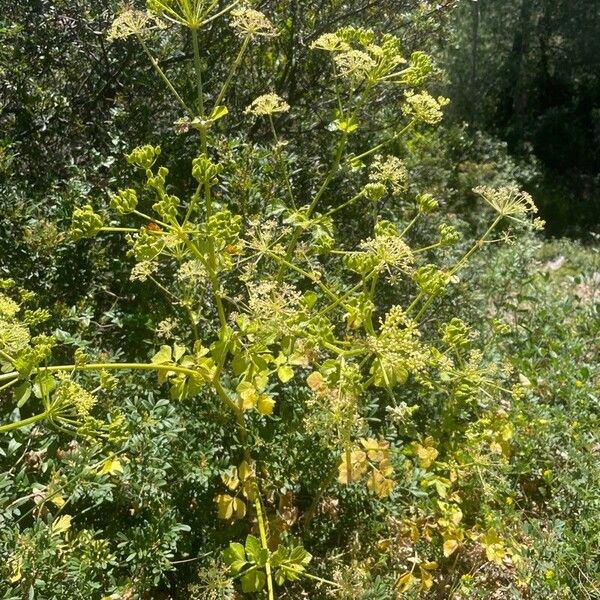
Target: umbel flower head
390 171
247 21
354 64
70 396
508 201
330 42
267 104
131 21
424 107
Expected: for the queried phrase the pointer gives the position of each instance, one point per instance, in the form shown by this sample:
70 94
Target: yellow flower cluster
129 22
391 172
424 107
247 21
70 395
267 104
354 64
508 200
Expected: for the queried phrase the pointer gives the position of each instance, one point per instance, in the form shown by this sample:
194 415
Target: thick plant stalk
263 539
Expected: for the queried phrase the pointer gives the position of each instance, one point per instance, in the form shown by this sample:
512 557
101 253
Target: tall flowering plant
269 297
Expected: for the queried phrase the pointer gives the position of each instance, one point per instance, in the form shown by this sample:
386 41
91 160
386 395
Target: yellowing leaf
356 469
495 553
230 479
57 500
379 484
250 489
441 488
426 578
495 550
17 571
376 450
230 508
248 394
162 356
426 455
112 466
405 582
316 382
265 405
61 524
450 547
245 471
261 380
285 373
385 466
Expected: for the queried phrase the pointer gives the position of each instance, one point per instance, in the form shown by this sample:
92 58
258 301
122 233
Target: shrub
302 375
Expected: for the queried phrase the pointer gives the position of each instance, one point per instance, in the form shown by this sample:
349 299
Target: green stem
120 229
263 540
221 12
23 422
301 271
232 71
461 263
345 204
343 353
298 231
198 69
415 301
431 247
282 164
313 577
328 178
152 220
385 143
163 76
9 384
341 299
193 201
7 357
210 268
409 226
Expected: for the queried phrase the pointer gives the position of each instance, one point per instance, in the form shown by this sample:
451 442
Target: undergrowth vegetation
337 371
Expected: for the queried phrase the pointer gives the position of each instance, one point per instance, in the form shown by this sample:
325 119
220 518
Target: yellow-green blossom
424 107
247 21
267 104
391 172
354 64
130 21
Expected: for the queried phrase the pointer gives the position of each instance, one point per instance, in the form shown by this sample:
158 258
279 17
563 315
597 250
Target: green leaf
278 557
218 350
218 112
239 364
310 299
256 553
43 385
253 581
280 577
178 352
22 393
162 356
285 373
300 556
234 553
